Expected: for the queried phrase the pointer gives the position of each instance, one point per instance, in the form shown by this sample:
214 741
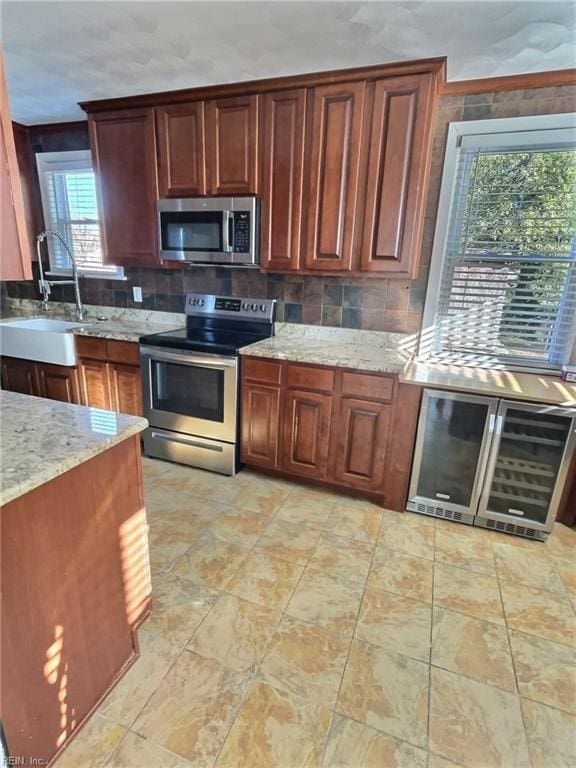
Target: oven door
194 393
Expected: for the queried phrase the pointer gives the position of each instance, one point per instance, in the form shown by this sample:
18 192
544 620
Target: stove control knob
246 306
263 307
193 301
201 302
254 307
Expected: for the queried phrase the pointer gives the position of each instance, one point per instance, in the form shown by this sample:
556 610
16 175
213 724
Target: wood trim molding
509 82
436 66
15 234
73 125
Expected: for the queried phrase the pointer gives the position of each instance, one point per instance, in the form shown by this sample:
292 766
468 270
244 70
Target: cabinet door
529 461
126 389
333 176
124 153
14 241
19 376
361 440
260 414
58 382
306 438
231 145
95 384
181 157
282 175
398 162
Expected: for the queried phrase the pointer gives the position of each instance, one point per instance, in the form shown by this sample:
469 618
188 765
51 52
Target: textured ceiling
59 53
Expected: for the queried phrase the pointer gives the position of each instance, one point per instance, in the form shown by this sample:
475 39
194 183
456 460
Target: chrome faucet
46 285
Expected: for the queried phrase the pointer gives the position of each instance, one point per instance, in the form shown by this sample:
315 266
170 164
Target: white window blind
507 287
69 203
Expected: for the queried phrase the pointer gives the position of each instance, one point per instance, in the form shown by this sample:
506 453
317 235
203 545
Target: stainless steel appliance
499 464
190 380
210 230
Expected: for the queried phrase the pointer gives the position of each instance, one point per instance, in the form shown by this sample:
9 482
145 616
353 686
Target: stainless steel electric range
190 380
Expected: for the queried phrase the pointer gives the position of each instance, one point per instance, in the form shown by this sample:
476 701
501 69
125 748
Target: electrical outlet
136 293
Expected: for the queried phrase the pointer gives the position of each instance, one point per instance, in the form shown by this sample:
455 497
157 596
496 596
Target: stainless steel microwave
210 230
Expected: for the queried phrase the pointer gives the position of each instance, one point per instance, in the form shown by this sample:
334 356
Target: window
68 190
503 279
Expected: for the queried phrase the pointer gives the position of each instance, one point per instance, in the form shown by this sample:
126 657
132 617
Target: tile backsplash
367 303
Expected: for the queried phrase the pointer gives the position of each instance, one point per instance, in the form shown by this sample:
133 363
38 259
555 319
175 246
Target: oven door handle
210 361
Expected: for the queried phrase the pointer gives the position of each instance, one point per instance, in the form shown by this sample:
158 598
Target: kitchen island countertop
43 438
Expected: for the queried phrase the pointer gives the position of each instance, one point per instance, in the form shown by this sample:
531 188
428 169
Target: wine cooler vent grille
518 530
435 510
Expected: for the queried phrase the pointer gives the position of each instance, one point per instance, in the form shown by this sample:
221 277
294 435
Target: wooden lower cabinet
95 382
110 374
109 378
19 376
112 386
306 433
126 389
58 382
361 442
260 411
339 427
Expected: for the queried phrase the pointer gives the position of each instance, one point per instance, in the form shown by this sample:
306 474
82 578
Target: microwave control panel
241 234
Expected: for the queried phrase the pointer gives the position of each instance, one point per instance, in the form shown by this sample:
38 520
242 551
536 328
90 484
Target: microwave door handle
227 231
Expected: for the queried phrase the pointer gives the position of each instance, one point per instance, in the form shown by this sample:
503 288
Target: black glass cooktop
215 340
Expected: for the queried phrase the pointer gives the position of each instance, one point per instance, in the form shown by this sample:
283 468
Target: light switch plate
137 293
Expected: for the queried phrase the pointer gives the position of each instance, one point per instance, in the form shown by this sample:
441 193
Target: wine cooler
499 464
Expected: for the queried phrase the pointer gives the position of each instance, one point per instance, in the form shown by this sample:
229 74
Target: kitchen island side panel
75 585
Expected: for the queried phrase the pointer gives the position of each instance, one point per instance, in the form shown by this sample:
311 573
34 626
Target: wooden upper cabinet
398 136
15 244
124 153
181 151
232 145
336 129
282 175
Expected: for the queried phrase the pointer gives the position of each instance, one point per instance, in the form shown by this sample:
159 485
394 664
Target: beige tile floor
295 628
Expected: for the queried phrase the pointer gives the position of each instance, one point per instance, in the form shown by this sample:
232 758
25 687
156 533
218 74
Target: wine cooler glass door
530 456
451 452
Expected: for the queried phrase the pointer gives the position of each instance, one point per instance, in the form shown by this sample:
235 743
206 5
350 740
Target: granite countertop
43 438
529 387
125 330
343 347
103 322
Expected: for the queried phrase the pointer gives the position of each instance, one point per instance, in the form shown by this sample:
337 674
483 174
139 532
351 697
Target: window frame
68 160
457 133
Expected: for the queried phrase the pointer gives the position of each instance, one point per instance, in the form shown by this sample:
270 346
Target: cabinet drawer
91 347
261 370
321 379
126 352
364 385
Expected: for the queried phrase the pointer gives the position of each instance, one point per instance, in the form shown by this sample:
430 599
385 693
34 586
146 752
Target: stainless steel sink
40 339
